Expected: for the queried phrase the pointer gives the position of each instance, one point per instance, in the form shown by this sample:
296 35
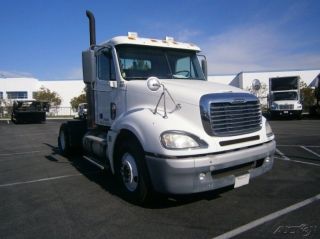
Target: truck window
285 96
105 67
141 62
135 64
183 66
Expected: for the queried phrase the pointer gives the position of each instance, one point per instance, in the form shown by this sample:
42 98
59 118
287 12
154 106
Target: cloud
187 34
295 11
14 74
75 73
257 47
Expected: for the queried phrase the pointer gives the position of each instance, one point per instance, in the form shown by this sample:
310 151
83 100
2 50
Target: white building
17 88
67 89
23 88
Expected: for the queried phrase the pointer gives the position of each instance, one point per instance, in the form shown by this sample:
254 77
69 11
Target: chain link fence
61 112
55 111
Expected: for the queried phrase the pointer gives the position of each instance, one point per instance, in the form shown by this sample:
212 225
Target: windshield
141 62
292 95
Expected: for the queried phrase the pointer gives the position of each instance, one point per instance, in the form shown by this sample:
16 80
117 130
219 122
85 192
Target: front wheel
132 172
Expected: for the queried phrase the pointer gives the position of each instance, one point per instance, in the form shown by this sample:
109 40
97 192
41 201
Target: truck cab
284 97
159 125
82 110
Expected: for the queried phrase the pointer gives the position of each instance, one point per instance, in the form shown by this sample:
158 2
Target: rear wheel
63 140
132 172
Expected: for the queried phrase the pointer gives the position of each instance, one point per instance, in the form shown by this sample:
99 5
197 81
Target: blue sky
44 39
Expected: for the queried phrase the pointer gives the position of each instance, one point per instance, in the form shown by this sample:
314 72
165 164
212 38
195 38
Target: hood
183 91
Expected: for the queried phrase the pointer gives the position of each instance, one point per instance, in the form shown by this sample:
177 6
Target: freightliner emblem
238 101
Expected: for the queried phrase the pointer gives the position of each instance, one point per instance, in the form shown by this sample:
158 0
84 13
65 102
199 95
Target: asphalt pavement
45 195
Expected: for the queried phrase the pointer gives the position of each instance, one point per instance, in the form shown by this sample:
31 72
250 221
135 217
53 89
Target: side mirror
204 68
153 83
88 66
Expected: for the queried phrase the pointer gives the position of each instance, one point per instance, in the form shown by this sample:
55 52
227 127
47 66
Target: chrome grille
286 107
230 114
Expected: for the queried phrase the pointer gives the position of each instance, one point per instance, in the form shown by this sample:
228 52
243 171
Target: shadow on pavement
107 181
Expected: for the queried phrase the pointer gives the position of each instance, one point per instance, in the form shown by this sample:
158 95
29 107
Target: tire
299 116
313 111
63 140
132 173
14 119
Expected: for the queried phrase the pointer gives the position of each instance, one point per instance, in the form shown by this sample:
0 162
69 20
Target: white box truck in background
284 97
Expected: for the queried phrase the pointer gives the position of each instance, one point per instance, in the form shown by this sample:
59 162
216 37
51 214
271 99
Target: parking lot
45 195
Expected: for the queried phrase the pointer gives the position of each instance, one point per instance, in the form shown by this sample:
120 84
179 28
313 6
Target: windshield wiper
136 77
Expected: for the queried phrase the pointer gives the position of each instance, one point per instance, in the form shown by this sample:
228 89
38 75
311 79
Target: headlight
181 140
274 106
268 130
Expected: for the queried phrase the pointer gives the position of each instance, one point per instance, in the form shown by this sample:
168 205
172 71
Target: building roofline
60 80
266 71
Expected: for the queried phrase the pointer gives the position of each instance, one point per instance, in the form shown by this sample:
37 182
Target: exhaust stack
92 27
89 71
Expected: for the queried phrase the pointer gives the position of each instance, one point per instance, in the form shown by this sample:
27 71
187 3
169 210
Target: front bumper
182 175
279 113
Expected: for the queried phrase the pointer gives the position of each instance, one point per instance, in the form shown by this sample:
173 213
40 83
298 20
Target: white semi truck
160 126
284 97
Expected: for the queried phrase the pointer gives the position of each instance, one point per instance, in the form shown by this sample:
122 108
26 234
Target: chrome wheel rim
129 172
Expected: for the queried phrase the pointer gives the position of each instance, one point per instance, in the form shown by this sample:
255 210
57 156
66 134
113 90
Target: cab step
95 162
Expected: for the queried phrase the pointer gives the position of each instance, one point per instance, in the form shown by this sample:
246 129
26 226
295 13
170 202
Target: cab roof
135 40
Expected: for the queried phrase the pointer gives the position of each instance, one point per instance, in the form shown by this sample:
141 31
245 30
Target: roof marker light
132 35
169 39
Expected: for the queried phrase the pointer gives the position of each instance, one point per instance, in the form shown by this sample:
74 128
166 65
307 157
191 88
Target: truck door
103 91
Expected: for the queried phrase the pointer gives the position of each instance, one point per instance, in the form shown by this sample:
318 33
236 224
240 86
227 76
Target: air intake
230 114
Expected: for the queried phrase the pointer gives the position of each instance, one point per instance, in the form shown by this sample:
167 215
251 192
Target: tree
307 94
5 107
45 94
75 101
